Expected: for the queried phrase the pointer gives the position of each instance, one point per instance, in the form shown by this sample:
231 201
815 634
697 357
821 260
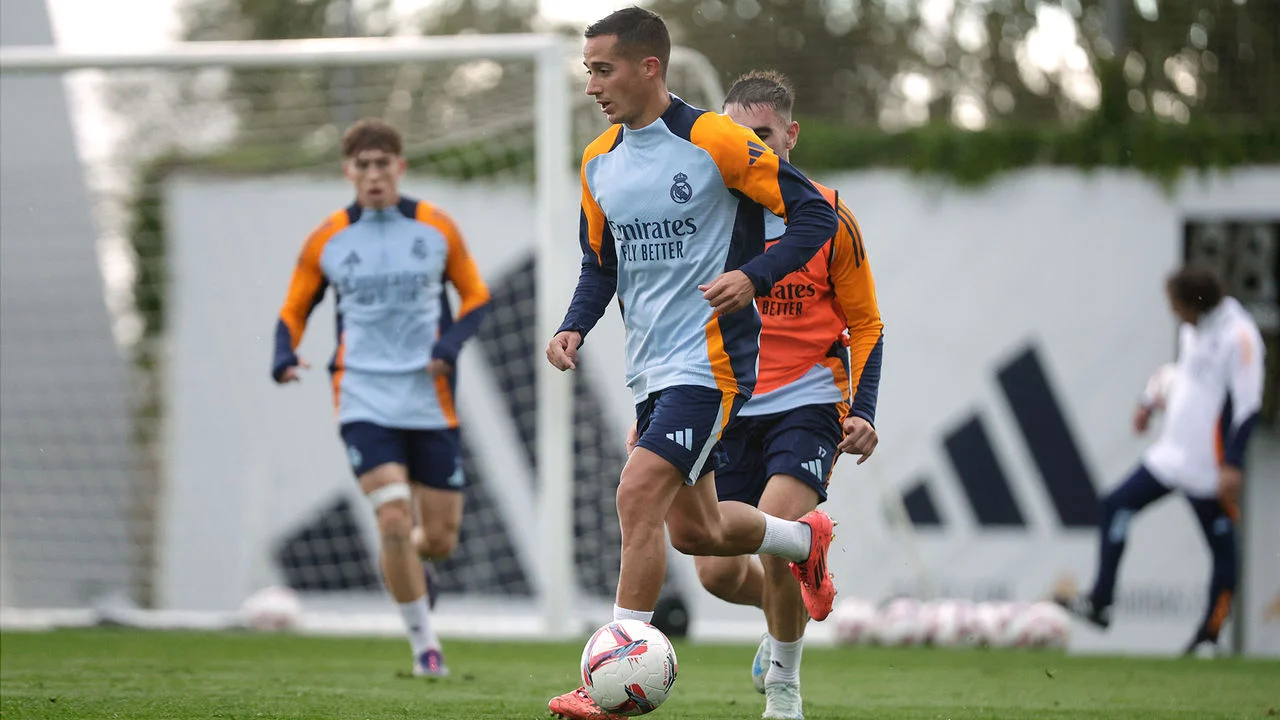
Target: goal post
563 449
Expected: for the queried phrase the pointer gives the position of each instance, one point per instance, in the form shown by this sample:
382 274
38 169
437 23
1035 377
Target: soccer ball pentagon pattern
628 667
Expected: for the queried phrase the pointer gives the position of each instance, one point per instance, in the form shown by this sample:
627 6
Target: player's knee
438 543
395 524
720 576
636 503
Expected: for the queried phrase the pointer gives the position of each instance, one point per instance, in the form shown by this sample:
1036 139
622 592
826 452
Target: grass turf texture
174 676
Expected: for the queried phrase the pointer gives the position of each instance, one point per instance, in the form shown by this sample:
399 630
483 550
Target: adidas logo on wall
984 483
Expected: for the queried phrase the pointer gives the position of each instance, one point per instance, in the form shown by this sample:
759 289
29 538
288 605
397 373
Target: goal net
150 467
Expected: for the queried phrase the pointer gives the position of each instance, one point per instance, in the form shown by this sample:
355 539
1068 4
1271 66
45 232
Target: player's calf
648 486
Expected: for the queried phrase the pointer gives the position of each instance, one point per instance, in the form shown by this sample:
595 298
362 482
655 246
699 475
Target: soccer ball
1161 383
1040 625
628 667
951 623
855 619
992 623
900 622
272 608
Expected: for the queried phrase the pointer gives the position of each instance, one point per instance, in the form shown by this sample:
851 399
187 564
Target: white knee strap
389 493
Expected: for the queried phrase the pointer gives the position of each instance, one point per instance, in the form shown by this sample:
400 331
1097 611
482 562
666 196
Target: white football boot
782 702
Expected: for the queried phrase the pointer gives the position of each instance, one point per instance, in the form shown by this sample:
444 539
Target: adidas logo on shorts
683 438
814 466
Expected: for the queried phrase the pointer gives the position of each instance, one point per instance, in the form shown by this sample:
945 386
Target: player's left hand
1230 482
633 438
439 368
729 293
859 438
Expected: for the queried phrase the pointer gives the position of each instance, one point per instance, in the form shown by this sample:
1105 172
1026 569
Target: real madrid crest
681 192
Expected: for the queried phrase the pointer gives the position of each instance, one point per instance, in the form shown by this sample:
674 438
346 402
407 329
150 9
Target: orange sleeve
307 285
748 167
746 164
460 267
592 223
598 273
855 290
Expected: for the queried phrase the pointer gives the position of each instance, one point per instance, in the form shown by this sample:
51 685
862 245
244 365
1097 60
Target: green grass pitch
138 675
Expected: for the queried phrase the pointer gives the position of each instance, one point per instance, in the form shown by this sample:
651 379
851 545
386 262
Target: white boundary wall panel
1068 265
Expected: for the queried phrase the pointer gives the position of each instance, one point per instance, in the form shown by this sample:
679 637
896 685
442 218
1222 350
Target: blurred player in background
388 258
1211 406
672 222
820 351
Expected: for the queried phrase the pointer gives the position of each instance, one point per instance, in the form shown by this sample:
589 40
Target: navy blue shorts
682 425
432 457
800 443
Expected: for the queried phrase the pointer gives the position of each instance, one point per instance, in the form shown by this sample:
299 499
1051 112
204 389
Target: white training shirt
1219 370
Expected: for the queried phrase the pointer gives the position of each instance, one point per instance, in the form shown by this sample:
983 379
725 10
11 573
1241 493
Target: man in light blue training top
387 258
672 221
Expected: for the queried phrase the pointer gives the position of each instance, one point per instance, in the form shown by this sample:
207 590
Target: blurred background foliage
963 89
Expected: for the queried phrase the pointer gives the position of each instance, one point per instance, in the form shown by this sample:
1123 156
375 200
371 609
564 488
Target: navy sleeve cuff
284 357
868 391
1233 450
762 285
596 287
464 328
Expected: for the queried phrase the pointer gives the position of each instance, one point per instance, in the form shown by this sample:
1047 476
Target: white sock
417 623
785 538
784 662
620 613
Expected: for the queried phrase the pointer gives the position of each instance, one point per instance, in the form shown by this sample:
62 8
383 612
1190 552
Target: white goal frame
558 596
553 139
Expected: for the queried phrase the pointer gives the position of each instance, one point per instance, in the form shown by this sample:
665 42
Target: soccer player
1211 409
387 257
820 352
672 222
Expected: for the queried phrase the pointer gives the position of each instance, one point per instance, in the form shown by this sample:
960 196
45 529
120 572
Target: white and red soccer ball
855 621
628 667
1039 625
900 622
272 608
949 623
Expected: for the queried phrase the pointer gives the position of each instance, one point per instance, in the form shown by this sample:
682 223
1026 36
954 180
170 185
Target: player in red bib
819 373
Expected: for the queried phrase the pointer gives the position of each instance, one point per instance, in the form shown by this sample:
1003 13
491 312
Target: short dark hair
1196 287
763 87
371 134
640 34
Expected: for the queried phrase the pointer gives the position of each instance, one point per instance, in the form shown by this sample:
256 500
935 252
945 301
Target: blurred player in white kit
1211 407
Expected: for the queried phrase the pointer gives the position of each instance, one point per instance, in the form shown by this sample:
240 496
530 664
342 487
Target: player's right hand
1141 418
291 374
562 351
859 438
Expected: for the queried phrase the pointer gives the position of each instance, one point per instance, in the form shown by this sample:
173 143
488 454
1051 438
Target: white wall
1069 264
